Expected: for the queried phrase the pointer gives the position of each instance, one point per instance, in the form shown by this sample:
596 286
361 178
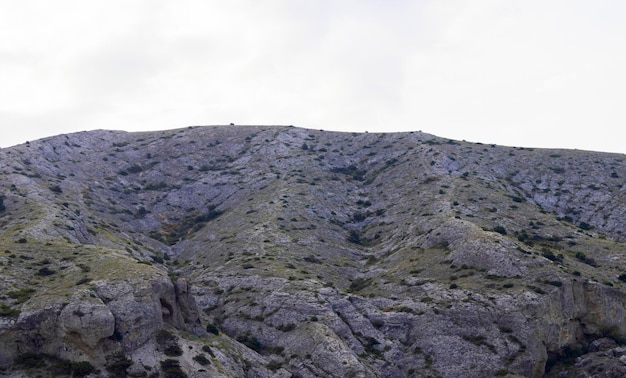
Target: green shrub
173 350
45 271
30 360
134 169
118 366
356 238
286 327
312 259
500 230
82 368
21 295
206 348
553 283
60 367
212 328
359 216
8 311
587 260
359 284
202 360
250 341
83 281
274 365
551 256
168 342
171 369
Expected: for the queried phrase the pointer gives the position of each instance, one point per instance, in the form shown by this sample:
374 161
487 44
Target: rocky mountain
286 252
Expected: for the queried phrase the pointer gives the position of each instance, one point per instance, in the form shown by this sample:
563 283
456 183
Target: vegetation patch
168 343
171 369
172 233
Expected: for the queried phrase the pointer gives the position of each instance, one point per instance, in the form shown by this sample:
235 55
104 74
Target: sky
531 73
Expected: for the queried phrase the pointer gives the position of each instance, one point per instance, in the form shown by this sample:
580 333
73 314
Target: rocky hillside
286 252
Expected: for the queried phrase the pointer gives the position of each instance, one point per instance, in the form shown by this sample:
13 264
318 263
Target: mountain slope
313 253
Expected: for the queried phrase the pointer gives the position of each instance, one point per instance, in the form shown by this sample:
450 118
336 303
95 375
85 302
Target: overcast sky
549 73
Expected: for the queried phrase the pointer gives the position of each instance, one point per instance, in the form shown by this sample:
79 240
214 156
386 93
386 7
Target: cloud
518 72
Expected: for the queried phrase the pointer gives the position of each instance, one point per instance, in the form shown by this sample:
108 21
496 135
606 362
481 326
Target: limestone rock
310 253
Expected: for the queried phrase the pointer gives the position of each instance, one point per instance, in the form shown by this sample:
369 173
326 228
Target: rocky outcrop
115 317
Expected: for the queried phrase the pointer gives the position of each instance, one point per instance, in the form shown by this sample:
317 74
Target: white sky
535 73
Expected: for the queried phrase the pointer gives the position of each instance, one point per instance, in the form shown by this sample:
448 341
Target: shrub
551 256
274 365
82 368
584 226
171 369
587 260
8 311
536 289
60 367
21 295
140 213
286 327
118 367
169 343
202 360
312 259
359 216
359 284
173 350
553 283
370 345
356 238
206 348
212 328
29 360
45 271
56 189
173 233
500 230
250 341
134 169
622 277
377 323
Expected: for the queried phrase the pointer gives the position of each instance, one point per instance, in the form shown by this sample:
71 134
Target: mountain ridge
399 254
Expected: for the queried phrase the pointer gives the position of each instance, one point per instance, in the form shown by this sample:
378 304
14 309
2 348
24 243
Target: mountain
269 251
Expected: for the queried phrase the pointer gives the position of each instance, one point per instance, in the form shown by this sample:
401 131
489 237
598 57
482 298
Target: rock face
285 252
114 317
